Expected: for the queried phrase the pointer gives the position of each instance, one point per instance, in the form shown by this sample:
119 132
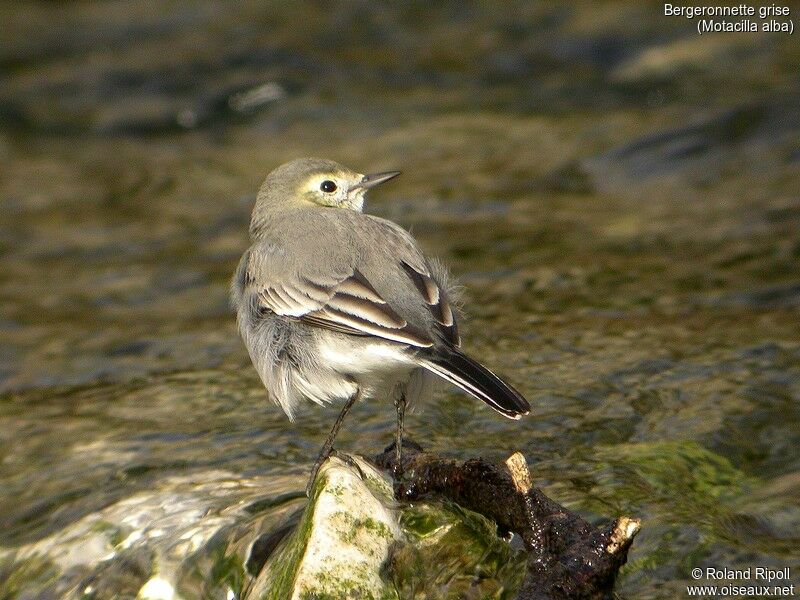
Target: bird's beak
370 181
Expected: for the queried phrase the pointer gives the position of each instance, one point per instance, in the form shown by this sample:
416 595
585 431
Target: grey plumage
330 300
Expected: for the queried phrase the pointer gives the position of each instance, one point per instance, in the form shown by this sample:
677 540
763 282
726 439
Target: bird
335 305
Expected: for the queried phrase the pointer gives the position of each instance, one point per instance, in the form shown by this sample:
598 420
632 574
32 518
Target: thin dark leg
400 405
328 445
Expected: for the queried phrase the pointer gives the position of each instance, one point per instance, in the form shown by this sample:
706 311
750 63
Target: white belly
367 360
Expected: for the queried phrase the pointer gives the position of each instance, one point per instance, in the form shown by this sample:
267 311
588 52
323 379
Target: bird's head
315 181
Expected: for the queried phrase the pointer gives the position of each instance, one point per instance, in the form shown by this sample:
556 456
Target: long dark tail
471 376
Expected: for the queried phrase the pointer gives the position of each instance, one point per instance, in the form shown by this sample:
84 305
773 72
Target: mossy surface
281 569
453 553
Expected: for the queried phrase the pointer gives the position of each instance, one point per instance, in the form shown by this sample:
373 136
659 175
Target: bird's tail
471 376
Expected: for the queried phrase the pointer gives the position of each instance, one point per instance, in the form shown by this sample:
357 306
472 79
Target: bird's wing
430 286
345 302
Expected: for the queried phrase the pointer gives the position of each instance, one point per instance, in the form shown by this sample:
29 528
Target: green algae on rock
472 558
342 540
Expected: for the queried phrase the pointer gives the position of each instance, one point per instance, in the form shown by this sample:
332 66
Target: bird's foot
345 458
349 461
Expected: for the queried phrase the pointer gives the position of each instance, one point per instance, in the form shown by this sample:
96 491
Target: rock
341 541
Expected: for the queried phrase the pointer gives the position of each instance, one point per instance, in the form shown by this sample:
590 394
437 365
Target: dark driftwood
567 557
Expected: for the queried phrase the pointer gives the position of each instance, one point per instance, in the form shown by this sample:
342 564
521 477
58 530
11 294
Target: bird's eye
328 186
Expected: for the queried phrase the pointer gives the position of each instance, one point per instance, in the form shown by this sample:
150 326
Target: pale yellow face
338 189
308 182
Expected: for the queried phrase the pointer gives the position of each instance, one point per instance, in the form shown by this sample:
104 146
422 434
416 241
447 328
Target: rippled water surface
619 197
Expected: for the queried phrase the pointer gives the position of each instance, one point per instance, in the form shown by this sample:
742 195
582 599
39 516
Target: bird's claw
345 458
349 461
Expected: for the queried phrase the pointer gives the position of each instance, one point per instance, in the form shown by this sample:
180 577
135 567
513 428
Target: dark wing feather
436 300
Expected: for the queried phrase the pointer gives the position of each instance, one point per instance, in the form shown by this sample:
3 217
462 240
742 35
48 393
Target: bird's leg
400 405
327 447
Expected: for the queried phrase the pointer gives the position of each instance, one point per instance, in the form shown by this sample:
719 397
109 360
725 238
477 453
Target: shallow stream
619 197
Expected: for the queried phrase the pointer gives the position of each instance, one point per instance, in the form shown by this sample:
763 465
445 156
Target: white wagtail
336 305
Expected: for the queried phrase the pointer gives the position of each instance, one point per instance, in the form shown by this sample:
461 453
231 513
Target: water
618 196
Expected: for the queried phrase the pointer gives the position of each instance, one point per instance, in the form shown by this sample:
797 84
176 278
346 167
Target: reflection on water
626 229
